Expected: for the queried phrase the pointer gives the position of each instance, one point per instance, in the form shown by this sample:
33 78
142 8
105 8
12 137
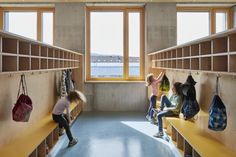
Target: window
196 22
114 44
221 21
192 25
47 23
34 23
22 23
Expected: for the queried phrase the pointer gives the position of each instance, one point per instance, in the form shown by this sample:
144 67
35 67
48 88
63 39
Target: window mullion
126 45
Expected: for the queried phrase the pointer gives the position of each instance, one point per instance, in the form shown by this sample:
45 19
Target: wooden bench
191 140
35 140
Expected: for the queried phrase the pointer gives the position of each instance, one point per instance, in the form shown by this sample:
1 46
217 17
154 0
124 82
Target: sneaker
153 121
159 134
148 118
73 142
61 131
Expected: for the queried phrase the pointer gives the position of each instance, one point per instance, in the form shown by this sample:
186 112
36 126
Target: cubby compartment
232 63
42 149
168 54
166 64
180 142
56 64
35 50
49 141
173 53
186 64
61 64
24 63
188 150
173 64
56 53
232 41
195 50
61 54
50 52
195 63
24 48
50 63
169 63
9 63
179 64
206 63
186 51
44 64
205 48
35 64
34 153
179 52
220 63
44 51
220 45
164 55
9 45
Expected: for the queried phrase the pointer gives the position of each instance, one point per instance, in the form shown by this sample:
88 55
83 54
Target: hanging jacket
190 105
165 84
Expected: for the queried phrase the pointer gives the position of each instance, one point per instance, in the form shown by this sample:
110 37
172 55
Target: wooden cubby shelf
213 54
20 54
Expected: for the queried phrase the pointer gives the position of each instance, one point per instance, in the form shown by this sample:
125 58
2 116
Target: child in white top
150 80
64 119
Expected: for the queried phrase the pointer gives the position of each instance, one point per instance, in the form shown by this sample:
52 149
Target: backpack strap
24 85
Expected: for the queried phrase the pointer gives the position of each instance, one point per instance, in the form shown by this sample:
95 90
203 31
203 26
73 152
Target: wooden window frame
212 12
126 76
39 11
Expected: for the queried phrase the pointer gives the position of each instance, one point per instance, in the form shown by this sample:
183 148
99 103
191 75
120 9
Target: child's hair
73 96
149 79
178 88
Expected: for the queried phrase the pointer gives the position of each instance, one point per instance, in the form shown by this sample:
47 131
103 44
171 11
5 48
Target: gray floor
114 134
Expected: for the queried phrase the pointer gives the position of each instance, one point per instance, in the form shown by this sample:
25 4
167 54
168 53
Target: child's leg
152 105
159 117
165 102
64 123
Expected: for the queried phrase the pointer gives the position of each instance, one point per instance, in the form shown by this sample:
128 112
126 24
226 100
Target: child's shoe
61 131
159 134
73 142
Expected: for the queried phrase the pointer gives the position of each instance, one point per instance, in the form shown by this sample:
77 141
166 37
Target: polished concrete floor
114 134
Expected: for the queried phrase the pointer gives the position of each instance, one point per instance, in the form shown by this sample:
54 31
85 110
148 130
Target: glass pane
21 23
221 22
192 25
47 27
134 44
106 44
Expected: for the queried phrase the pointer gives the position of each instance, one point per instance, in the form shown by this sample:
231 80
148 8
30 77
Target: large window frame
39 10
212 12
125 10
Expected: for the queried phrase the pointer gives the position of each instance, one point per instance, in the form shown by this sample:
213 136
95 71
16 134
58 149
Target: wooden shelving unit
213 54
20 54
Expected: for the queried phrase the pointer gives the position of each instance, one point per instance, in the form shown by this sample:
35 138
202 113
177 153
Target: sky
107 33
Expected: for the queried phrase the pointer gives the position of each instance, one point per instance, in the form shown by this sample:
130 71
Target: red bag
23 107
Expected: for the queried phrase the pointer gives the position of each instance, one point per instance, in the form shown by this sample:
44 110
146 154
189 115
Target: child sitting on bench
64 119
173 106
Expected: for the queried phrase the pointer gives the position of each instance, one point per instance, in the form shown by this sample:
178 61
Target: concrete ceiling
164 1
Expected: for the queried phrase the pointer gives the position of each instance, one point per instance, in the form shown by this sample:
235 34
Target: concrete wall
160 33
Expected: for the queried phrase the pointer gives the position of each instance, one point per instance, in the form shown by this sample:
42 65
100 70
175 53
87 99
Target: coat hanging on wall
217 112
190 105
165 84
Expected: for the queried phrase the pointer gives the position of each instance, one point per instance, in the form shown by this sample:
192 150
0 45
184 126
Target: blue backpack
217 113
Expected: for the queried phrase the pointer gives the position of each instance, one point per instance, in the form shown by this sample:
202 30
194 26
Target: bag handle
217 84
22 86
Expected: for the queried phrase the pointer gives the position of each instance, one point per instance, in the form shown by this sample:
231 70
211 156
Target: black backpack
190 105
217 113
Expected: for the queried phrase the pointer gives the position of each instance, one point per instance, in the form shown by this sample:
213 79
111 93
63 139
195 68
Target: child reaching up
153 82
64 119
172 104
